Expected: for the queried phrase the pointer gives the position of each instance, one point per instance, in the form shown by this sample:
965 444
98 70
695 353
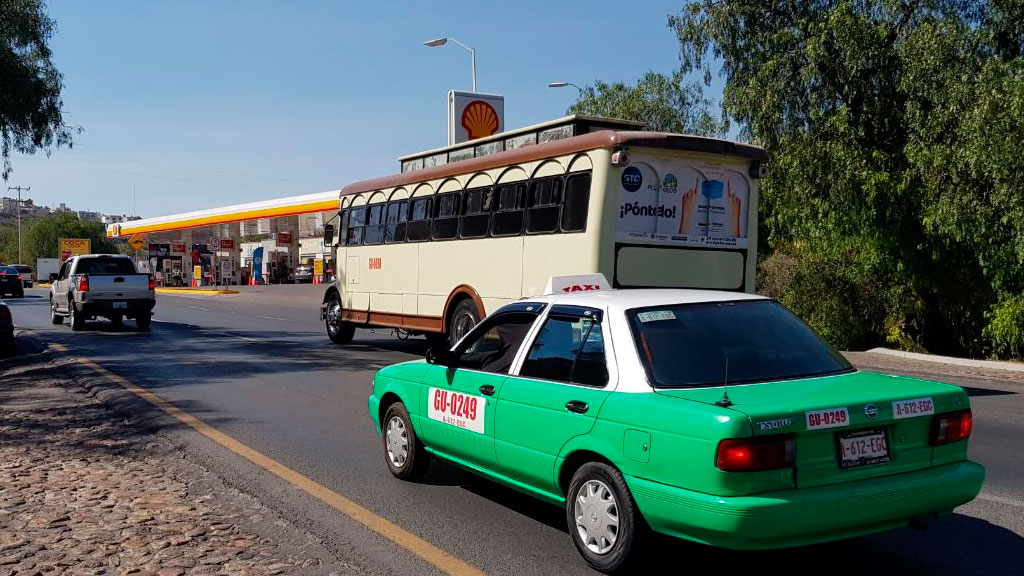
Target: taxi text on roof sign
577 283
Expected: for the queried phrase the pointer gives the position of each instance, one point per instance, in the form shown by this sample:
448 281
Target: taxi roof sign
576 283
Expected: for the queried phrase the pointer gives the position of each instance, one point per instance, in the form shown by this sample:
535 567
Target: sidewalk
83 491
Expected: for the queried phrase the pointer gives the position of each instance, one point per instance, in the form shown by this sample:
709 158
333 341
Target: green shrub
1005 330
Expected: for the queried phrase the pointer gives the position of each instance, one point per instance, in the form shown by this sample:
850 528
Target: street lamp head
557 84
436 42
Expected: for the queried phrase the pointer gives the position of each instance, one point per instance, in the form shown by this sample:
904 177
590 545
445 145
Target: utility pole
19 189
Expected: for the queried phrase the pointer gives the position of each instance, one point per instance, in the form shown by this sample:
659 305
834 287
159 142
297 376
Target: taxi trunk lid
851 414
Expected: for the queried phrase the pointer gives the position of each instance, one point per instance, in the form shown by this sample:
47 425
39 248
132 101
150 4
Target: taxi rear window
695 345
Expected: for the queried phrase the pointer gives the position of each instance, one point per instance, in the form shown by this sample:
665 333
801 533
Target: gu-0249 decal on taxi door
674 202
456 409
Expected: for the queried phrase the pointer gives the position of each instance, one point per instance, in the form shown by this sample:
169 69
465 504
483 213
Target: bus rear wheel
464 317
339 331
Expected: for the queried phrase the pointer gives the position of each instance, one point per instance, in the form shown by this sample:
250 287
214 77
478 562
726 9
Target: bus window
397 216
476 212
544 205
374 231
446 216
343 227
508 219
577 202
356 221
418 228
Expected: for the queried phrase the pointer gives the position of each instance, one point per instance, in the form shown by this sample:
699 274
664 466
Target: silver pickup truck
106 285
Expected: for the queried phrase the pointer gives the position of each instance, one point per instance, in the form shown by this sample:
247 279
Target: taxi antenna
725 401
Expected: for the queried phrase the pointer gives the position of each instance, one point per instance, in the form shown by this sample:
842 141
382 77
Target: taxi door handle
487 390
577 406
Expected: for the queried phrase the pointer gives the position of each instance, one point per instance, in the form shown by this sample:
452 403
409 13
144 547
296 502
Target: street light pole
19 189
472 52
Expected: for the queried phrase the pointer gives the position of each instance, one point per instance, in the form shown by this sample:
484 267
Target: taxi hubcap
398 442
597 516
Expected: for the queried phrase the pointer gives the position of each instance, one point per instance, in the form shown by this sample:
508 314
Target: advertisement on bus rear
681 202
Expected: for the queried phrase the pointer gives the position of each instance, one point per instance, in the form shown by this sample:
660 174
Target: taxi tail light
152 282
952 427
753 454
83 283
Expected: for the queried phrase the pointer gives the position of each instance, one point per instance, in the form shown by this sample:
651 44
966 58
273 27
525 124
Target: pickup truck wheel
77 318
143 322
339 331
55 318
603 519
403 451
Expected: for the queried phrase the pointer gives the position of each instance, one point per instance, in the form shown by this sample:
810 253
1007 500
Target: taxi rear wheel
603 519
403 451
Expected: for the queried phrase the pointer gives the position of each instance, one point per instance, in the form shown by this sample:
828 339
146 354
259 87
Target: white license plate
120 305
862 447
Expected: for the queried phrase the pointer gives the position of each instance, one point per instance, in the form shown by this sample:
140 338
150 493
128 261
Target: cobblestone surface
85 492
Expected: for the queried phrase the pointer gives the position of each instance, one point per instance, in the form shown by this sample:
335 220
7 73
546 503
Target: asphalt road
259 367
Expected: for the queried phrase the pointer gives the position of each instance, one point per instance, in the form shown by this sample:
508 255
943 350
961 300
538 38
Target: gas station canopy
305 204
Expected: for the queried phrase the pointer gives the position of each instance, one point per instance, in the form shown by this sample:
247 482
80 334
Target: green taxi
711 416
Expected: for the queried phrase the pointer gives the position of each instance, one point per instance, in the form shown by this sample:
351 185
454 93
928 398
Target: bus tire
339 331
464 317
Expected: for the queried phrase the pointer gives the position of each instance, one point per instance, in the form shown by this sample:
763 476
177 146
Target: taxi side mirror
441 356
328 234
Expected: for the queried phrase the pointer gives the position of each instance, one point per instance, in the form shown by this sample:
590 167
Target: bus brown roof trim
592 141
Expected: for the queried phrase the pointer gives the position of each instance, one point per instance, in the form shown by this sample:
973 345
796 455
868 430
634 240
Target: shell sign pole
472 116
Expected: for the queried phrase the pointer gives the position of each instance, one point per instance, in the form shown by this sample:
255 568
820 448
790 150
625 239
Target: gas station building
258 242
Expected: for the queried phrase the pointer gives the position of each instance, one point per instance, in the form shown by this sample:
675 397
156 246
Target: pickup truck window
105 266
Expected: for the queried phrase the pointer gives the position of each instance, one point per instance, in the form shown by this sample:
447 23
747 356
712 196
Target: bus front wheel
464 318
339 331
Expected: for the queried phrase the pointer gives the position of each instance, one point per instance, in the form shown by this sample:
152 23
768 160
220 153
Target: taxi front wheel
603 519
403 451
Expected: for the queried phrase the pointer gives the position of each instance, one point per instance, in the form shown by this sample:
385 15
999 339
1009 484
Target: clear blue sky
200 104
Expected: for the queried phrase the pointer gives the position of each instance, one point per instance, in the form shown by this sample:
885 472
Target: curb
987 364
195 291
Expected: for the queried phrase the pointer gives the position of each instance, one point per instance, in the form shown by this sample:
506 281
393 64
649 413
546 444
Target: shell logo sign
479 119
472 116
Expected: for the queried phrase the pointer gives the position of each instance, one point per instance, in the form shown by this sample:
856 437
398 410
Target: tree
894 128
30 85
663 103
42 237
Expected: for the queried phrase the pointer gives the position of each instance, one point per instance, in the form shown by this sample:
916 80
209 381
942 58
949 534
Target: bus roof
590 141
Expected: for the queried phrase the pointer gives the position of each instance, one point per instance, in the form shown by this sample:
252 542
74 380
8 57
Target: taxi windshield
739 342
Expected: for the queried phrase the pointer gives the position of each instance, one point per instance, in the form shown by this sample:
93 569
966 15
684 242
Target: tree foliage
894 128
40 237
663 103
30 85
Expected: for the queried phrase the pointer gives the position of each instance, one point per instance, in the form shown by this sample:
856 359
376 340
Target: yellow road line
442 560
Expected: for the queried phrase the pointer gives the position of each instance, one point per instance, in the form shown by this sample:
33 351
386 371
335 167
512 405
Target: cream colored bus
463 230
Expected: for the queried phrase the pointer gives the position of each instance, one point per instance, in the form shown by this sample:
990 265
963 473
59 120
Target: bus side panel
491 266
389 274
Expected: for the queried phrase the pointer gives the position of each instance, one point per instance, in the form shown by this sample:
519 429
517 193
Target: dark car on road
6 329
11 282
26 274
